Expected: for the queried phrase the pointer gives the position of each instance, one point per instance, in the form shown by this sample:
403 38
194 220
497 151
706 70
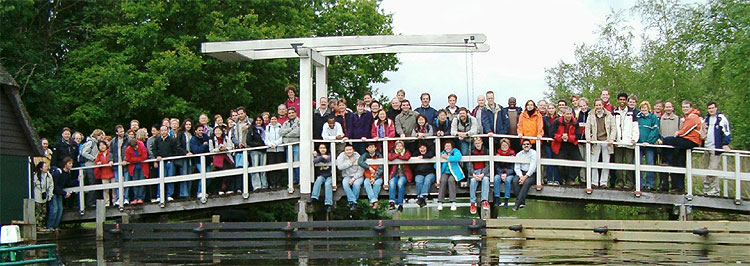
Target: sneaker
221 193
391 205
329 208
230 192
472 209
155 200
515 208
497 202
485 205
311 200
521 206
400 208
375 205
454 207
125 202
200 195
440 206
352 206
170 199
106 204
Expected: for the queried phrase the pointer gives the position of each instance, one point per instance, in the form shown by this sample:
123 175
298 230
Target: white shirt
331 133
709 142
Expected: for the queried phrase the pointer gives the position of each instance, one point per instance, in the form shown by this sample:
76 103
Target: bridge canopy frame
313 52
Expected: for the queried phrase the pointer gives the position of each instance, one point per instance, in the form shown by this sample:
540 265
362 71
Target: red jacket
561 128
407 170
106 171
390 129
691 127
132 159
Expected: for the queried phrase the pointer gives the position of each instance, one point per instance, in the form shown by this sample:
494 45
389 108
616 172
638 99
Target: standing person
424 174
165 146
282 113
104 174
203 120
575 105
184 134
401 95
450 174
648 127
374 109
155 134
514 114
718 136
400 175
581 117
383 127
352 174
600 126
530 123
274 153
373 173
174 125
406 121
367 99
605 99
423 128
238 135
116 155
44 187
626 126
61 179
254 138
89 150
451 109
477 111
222 161
669 123
658 108
494 119
504 172
46 153
526 173
480 173
266 116
395 109
323 177
565 145
542 106
63 148
135 125
359 126
135 154
292 100
687 137
290 134
425 110
320 116
219 121
552 172
633 104
464 126
342 114
442 125
198 145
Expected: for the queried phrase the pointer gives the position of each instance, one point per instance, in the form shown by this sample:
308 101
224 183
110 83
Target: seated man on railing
526 174
687 137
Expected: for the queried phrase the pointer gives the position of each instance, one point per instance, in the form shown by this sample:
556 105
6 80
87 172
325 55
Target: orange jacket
691 127
531 126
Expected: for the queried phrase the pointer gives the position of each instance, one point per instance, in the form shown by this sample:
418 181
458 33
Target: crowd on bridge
612 130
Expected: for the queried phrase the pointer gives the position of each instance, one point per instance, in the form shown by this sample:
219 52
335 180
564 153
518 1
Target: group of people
611 129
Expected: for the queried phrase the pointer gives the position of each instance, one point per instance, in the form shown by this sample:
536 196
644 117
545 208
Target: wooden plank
297 234
631 225
314 224
670 237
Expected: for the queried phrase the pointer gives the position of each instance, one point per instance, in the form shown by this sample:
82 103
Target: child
373 173
351 173
450 173
323 173
105 174
504 173
480 173
400 174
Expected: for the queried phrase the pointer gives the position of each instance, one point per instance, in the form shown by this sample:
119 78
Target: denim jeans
552 172
373 190
168 171
649 176
259 180
295 158
473 183
352 191
328 189
465 147
117 180
396 185
138 193
55 212
423 184
185 186
208 181
508 185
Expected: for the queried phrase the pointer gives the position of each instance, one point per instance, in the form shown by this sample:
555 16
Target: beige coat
592 126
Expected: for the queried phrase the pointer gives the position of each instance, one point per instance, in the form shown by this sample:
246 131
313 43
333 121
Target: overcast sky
525 37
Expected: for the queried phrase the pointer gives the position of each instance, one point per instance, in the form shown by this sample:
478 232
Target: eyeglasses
527 144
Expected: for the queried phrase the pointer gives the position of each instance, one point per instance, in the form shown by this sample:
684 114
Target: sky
525 37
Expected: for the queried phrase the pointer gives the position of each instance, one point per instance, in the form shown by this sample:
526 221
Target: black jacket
318 121
62 150
254 137
166 147
62 180
424 168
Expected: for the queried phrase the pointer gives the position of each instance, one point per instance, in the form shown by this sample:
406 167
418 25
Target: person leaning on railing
717 136
222 145
135 154
450 174
165 146
648 125
290 134
552 172
600 127
359 126
199 145
626 126
686 138
254 138
526 173
565 145
530 123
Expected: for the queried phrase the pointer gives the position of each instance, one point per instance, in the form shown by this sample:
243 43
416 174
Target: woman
480 173
105 173
135 154
373 173
450 174
553 174
504 173
183 136
530 123
400 174
220 143
44 187
254 138
648 125
46 153
352 175
383 127
323 174
61 179
274 153
423 128
424 174
442 124
292 100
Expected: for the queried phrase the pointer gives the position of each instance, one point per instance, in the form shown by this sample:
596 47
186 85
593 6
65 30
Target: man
574 103
477 112
542 106
464 126
605 98
165 146
425 110
628 133
451 109
514 113
241 125
367 99
290 133
526 173
395 109
669 123
718 136
494 119
89 151
134 125
332 130
406 121
560 104
633 104
116 155
600 127
580 118
207 129
358 126
320 116
342 113
198 145
174 125
64 148
658 108
282 113
565 144
687 137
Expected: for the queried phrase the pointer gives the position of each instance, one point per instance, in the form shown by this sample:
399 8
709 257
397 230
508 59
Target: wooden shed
18 143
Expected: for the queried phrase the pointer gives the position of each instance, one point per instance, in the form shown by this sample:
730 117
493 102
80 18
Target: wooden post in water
125 218
302 211
28 230
101 216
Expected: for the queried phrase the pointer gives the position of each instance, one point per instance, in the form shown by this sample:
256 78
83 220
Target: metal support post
245 161
637 170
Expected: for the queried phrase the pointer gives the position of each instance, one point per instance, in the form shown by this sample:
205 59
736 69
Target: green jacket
648 125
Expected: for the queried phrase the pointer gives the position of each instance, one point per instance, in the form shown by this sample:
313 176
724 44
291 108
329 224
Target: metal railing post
588 168
437 161
726 180
737 182
333 165
386 174
492 161
245 161
81 202
538 164
204 193
163 195
637 170
290 166
689 174
121 191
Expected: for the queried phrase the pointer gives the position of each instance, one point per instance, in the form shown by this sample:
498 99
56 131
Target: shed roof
10 89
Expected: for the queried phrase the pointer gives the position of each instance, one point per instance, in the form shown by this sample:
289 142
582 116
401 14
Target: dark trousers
91 196
275 177
569 152
523 190
677 157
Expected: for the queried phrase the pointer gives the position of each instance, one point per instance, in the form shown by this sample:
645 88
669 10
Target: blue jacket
358 126
428 112
452 166
722 132
446 128
197 147
501 126
648 126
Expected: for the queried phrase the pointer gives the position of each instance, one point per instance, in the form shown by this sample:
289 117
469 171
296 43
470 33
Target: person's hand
420 135
633 141
67 195
490 133
205 143
351 181
49 199
124 163
565 137
610 141
676 133
444 156
420 157
156 165
245 127
726 147
353 159
98 163
189 153
437 185
111 164
326 156
403 135
315 153
385 186
363 138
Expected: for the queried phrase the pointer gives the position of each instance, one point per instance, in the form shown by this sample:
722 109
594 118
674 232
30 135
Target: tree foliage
695 52
94 64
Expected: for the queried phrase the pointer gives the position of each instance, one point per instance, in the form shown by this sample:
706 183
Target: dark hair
711 103
192 126
262 123
405 101
65 129
374 102
348 144
525 140
328 150
39 168
133 143
622 95
442 111
562 101
423 94
463 109
291 109
292 88
156 126
330 116
67 159
426 123
242 108
448 142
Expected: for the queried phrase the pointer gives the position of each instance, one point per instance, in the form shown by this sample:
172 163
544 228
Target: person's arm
558 135
587 128
112 147
86 151
362 162
474 127
430 130
689 125
399 128
318 159
455 156
505 120
454 127
294 133
392 156
343 161
406 156
58 190
636 131
374 131
486 122
532 165
726 130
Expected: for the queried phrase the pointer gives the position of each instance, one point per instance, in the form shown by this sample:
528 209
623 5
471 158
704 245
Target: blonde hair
141 134
97 132
646 103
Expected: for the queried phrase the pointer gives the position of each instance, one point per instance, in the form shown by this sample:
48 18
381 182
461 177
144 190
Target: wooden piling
101 211
302 211
28 230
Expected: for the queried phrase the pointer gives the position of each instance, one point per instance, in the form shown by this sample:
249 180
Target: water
424 250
